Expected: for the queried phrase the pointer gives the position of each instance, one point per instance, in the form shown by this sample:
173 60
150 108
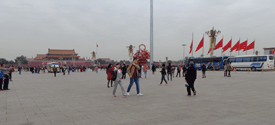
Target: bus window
251 59
264 58
232 59
238 59
244 59
271 57
248 59
256 59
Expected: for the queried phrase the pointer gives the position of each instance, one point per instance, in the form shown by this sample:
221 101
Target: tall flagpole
151 34
231 46
202 44
192 43
96 54
239 46
254 47
222 45
246 46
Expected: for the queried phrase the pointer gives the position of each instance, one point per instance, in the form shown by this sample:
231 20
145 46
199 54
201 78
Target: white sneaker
139 94
128 93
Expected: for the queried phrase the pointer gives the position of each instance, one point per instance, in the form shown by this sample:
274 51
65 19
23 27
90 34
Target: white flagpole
246 46
231 45
192 43
254 47
222 45
239 46
202 44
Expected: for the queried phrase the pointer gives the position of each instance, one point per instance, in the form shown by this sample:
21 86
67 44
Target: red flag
236 47
209 51
251 46
273 52
96 45
227 46
200 45
191 47
219 45
243 46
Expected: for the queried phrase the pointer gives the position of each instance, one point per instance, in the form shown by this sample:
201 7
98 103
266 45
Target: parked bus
210 62
252 62
51 65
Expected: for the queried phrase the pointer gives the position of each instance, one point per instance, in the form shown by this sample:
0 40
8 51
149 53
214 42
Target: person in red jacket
109 75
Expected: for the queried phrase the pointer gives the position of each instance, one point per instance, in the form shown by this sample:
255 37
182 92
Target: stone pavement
84 99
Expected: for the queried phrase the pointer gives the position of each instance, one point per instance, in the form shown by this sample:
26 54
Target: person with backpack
163 73
109 75
117 75
133 72
183 70
203 69
124 70
178 71
169 71
190 78
145 68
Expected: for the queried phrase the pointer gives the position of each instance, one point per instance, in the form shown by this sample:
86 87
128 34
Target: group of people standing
116 73
5 77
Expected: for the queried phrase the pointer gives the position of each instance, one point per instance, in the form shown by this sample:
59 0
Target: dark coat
191 74
163 72
169 69
203 68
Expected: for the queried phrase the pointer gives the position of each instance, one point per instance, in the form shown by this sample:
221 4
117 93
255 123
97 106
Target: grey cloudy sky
30 27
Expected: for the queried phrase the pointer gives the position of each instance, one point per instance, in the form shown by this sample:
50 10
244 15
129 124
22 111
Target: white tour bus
50 66
252 62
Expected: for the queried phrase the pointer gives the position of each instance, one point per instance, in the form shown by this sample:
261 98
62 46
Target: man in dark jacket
190 78
153 68
124 71
169 71
178 71
203 69
183 70
163 73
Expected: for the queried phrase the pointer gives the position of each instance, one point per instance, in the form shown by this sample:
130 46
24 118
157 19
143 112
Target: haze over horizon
31 27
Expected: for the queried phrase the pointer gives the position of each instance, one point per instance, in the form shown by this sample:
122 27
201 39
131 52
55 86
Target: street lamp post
183 52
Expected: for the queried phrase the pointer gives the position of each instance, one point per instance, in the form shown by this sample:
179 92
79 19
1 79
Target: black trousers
203 74
54 73
225 72
63 72
178 73
169 74
1 82
163 78
68 71
6 82
10 74
183 73
190 87
124 75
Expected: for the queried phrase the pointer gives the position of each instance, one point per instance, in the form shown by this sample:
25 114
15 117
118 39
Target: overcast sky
30 27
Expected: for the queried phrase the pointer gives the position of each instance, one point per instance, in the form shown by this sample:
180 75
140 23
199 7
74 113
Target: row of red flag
238 46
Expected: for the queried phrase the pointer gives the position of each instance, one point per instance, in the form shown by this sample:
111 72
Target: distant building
57 54
268 51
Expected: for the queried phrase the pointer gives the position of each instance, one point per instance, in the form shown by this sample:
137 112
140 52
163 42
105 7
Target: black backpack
114 75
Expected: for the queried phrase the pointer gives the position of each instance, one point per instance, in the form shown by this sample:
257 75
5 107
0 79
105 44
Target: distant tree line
20 59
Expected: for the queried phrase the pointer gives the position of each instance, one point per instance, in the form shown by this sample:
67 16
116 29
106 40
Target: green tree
3 61
21 59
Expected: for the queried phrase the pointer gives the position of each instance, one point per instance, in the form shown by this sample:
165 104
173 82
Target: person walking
109 75
145 68
190 78
173 71
139 71
64 70
96 69
10 72
184 70
54 71
178 71
69 69
133 73
169 71
1 78
6 76
124 71
203 69
118 81
229 68
163 73
153 68
19 69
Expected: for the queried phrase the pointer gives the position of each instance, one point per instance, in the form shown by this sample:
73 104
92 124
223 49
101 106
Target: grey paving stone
84 99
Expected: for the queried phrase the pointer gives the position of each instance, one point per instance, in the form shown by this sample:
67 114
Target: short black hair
134 59
163 65
118 64
2 64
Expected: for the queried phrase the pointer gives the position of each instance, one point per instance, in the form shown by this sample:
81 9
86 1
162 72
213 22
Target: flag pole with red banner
239 46
203 46
222 46
246 46
192 43
254 48
231 45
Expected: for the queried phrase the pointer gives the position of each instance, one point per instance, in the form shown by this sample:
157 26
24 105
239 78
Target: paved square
84 99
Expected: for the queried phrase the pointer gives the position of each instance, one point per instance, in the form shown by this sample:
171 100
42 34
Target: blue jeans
132 80
145 72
